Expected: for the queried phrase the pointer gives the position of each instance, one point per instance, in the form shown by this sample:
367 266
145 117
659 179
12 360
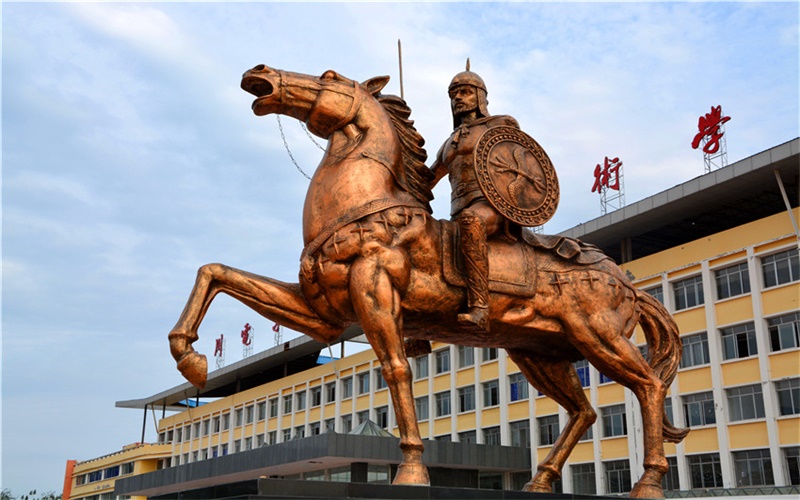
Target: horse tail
664 349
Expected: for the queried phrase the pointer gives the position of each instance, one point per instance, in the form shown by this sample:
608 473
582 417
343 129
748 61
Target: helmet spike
468 64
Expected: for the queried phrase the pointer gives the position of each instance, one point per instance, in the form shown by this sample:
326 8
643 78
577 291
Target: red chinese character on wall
276 328
218 348
708 126
246 334
602 175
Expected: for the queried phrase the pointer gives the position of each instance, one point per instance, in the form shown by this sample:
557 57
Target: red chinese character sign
278 335
609 177
710 133
219 350
248 332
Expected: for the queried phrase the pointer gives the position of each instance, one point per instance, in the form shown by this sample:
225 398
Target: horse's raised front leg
376 279
277 301
559 381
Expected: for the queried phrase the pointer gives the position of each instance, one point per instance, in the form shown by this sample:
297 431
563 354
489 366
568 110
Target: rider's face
463 100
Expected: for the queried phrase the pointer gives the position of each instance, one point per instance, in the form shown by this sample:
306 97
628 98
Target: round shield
516 175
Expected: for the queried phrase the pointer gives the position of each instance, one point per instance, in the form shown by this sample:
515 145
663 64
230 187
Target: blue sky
130 157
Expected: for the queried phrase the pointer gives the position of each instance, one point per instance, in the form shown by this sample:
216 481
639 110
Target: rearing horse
374 255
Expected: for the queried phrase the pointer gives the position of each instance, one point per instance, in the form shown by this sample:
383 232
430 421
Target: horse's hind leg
559 381
273 299
607 348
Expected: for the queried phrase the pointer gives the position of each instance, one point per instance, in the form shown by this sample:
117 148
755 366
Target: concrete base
274 489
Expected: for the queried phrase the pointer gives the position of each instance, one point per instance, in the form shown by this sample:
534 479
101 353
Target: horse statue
375 256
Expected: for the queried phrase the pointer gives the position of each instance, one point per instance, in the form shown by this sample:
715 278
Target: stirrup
477 316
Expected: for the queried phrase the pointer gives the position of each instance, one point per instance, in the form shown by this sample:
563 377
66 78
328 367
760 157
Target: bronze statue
374 255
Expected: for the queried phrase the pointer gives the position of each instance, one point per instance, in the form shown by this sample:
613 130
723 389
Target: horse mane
417 175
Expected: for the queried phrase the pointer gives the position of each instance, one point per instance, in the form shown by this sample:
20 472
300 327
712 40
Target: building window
780 268
695 350
705 471
745 403
614 421
698 409
287 405
588 435
688 292
248 444
273 407
196 429
112 472
95 476
272 438
178 434
363 383
618 476
548 430
330 392
442 361
468 437
518 385
657 292
784 331
670 481
604 379
382 417
583 481
347 424
226 421
259 443
466 398
313 428
788 396
582 367
491 435
249 413
792 456
442 403
753 468
520 433
261 410
488 354
238 419
421 365
445 438
300 432
347 387
316 396
287 435
330 425
739 341
380 382
491 393
466 356
668 409
421 404
732 281
362 416
301 400
127 468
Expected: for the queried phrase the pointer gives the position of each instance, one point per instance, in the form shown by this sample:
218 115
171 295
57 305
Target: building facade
720 252
95 479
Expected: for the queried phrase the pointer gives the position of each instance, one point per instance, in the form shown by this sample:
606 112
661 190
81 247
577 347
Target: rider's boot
476 263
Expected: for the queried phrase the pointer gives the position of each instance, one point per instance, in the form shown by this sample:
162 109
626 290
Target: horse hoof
194 368
537 487
643 490
412 475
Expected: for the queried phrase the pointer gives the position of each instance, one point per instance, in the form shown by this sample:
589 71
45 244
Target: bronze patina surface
374 255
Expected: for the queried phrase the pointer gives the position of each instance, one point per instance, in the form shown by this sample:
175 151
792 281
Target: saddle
514 265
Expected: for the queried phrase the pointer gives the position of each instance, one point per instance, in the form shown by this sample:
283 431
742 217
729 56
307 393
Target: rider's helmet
467 77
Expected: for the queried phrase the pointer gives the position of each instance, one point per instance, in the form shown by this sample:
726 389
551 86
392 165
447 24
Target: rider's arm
438 168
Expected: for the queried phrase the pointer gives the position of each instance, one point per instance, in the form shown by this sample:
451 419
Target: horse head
325 103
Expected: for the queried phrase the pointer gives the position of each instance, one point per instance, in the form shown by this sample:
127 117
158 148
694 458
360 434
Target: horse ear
375 85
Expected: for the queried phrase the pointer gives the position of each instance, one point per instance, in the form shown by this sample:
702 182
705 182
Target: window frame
792 257
441 361
518 389
789 394
735 339
614 416
690 345
776 334
491 393
549 429
466 399
688 292
725 280
742 398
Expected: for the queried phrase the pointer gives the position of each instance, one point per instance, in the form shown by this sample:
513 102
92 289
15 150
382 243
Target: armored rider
477 219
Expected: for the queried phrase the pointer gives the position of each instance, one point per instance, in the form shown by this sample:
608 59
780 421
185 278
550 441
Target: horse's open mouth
259 87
